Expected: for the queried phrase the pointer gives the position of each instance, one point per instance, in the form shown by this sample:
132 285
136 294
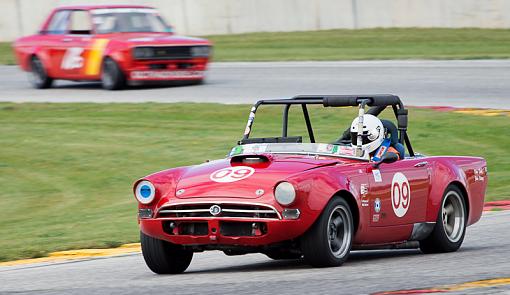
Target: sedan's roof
90 7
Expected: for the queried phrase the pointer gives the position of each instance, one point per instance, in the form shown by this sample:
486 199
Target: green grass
6 54
394 43
364 44
66 170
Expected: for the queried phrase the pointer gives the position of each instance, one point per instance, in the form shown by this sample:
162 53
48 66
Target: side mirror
387 158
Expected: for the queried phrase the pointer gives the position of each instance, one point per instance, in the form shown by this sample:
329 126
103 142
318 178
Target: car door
76 44
53 42
398 192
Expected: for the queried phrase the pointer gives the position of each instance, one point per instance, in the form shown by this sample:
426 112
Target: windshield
333 150
128 20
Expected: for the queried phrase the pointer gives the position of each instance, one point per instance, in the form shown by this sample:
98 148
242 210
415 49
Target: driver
374 139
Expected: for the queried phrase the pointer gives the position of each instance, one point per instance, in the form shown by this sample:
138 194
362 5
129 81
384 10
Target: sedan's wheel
163 257
448 233
38 75
112 76
329 241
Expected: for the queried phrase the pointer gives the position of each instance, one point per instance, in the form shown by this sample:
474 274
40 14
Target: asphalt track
484 255
477 83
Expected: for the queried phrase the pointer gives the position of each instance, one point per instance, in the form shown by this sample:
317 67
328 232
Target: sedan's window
125 20
80 23
59 23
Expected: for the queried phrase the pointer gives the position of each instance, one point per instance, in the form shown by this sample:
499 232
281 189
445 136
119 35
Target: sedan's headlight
284 193
143 52
145 192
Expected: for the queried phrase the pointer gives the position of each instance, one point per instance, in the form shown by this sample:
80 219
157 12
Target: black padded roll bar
377 102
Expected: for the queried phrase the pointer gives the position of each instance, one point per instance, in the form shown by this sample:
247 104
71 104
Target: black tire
277 254
112 76
38 74
448 235
320 242
163 257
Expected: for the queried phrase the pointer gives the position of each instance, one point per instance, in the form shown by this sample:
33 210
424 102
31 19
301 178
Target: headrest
392 131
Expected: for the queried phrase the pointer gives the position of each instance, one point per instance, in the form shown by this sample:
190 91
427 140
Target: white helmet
373 133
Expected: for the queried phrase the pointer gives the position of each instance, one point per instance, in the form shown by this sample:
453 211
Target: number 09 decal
231 174
400 194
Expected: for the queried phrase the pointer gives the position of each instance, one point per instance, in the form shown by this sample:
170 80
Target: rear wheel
450 228
329 241
163 257
112 76
38 74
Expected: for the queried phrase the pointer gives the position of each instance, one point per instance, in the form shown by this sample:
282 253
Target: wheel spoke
449 209
335 244
338 221
449 228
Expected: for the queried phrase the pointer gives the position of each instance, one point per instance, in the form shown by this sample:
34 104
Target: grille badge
215 210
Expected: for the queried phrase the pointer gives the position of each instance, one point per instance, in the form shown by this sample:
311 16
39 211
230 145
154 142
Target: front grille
228 210
169 52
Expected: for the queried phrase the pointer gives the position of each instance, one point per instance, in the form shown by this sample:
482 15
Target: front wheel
448 233
329 240
163 257
38 74
112 76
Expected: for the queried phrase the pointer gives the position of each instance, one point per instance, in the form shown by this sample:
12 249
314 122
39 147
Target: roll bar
376 102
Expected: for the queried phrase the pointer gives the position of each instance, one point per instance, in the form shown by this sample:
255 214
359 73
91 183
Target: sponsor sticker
140 75
400 194
377 205
231 174
375 218
377 175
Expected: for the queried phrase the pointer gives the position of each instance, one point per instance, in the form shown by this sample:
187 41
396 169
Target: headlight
145 192
143 52
200 51
284 193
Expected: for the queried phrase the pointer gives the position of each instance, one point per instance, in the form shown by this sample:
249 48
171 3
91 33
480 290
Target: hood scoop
260 161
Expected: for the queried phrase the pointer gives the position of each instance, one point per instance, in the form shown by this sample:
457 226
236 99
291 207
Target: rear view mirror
388 158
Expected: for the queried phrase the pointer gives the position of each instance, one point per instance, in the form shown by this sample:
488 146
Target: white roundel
145 192
231 174
400 194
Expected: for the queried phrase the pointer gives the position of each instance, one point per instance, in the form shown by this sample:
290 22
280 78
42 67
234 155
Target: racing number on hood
400 194
232 174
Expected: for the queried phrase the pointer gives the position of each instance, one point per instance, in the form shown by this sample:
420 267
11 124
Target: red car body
72 54
183 197
317 180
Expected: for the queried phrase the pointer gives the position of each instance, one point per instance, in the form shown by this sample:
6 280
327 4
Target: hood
147 39
242 176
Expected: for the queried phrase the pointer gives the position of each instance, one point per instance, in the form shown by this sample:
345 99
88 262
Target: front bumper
236 227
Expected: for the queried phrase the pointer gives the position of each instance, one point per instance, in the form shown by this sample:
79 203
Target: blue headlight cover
145 192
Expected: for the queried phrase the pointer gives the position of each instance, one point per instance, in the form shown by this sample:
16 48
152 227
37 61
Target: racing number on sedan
232 174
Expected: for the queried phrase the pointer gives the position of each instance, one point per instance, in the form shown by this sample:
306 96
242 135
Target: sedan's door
398 192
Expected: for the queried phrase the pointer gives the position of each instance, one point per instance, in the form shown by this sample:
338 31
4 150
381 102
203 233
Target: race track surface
478 83
484 255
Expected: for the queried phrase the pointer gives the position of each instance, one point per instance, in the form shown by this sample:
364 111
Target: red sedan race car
290 199
113 44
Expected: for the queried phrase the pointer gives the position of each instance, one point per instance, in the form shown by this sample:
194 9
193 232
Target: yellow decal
93 66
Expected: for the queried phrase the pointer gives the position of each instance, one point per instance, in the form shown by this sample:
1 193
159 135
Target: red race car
289 199
113 44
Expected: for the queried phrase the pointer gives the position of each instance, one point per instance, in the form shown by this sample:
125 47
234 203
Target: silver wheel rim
339 231
452 213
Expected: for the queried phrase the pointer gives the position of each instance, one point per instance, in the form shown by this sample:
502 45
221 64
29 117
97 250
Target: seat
393 133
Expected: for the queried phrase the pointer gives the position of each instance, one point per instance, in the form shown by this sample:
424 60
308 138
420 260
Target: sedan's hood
231 178
147 39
